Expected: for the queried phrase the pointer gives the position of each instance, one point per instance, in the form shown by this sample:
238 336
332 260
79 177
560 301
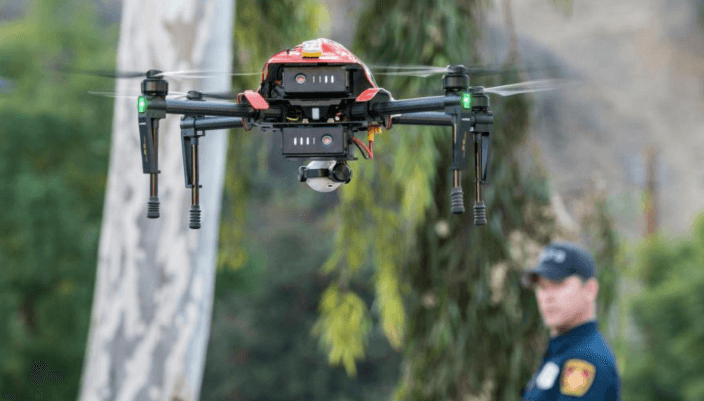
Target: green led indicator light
466 100
142 104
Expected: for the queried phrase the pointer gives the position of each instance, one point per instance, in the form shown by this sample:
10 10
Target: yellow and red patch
577 377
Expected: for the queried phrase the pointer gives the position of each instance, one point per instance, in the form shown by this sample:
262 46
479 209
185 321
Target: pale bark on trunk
152 305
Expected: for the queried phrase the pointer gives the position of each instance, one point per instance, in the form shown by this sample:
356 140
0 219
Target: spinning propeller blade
531 86
132 95
192 74
408 70
473 71
105 73
172 94
404 67
206 74
416 73
218 95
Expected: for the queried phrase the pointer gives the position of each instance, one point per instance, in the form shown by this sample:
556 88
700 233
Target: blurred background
613 164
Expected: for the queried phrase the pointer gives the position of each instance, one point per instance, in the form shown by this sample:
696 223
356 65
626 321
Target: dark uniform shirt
578 365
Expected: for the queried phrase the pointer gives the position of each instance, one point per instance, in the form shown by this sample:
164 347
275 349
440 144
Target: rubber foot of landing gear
153 207
457 200
195 217
479 214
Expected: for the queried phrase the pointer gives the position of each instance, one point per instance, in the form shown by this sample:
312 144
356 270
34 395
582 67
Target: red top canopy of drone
317 51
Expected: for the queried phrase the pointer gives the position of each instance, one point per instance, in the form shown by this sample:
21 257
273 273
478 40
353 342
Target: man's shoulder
589 369
595 350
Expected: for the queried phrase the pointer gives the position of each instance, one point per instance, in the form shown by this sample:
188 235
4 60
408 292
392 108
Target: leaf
416 196
393 316
343 327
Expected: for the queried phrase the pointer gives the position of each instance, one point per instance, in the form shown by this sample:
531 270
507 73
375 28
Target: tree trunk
154 287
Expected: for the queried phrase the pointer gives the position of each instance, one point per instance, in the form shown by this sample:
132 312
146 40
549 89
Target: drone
316 96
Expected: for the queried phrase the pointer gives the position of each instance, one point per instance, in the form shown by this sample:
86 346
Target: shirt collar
561 342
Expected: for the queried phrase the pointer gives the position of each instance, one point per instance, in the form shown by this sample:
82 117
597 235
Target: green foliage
605 247
261 347
343 326
53 165
670 313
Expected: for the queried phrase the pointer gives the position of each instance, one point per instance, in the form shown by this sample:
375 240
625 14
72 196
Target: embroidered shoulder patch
577 377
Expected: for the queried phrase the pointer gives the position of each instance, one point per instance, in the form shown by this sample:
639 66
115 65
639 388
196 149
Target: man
578 363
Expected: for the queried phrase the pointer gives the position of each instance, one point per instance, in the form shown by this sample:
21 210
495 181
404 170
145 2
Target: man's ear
592 288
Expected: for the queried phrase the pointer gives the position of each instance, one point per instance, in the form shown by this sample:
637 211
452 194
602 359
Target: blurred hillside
642 64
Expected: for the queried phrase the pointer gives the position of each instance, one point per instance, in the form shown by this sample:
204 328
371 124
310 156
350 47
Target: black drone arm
417 105
187 107
438 119
208 123
427 118
421 104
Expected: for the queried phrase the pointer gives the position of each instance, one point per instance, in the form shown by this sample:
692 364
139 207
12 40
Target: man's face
563 303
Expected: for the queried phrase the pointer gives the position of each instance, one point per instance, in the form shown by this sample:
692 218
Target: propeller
424 71
408 70
186 74
213 95
531 86
132 94
191 95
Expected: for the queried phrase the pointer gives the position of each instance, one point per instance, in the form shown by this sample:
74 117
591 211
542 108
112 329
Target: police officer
578 363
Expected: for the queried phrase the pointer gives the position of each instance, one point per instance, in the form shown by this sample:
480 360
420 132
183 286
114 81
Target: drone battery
315 80
313 141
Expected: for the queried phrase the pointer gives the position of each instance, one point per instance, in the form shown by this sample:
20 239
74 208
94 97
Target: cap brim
530 277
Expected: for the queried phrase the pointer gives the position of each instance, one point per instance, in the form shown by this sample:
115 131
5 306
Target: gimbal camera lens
342 172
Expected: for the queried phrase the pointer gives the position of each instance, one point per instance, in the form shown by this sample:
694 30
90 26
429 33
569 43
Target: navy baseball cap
559 261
